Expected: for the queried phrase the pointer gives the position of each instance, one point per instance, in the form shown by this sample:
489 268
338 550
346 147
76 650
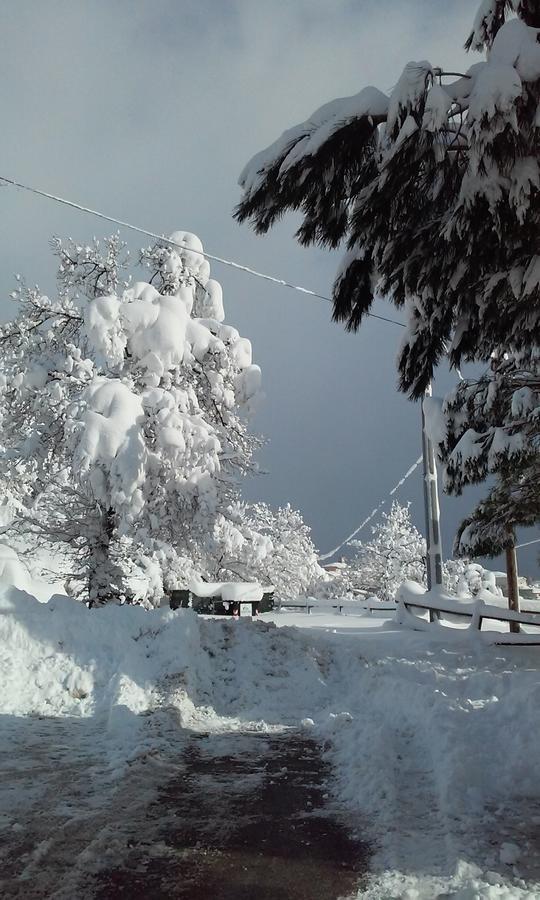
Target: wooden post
512 585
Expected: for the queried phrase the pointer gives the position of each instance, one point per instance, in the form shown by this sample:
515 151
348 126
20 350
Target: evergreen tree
490 426
435 190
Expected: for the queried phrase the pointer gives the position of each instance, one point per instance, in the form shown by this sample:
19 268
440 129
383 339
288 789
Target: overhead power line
159 237
373 512
528 544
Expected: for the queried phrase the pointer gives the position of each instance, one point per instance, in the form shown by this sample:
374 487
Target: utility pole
512 584
432 509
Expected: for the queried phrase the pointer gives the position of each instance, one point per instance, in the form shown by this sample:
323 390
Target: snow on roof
228 591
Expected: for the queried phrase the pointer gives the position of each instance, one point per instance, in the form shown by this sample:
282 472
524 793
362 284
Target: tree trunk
512 585
104 576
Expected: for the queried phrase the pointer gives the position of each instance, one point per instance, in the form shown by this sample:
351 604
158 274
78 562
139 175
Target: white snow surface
229 591
433 741
516 44
110 443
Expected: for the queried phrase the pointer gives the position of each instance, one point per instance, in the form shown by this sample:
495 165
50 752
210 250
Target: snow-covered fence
308 604
477 612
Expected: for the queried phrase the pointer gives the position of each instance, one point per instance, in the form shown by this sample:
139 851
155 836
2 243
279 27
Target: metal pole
512 585
433 518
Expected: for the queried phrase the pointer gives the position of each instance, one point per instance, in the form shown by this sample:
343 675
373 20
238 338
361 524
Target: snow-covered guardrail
308 604
412 596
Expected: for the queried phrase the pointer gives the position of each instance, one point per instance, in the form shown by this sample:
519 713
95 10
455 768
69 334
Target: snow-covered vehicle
233 598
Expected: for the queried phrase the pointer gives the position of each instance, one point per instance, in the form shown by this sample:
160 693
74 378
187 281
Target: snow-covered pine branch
491 426
434 189
491 16
512 501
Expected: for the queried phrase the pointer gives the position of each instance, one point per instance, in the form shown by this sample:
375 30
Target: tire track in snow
420 828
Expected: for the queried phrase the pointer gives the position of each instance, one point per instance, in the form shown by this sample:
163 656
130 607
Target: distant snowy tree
334 584
395 553
435 190
121 407
468 579
273 547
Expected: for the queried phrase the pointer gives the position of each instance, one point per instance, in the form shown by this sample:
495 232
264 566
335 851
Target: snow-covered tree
293 563
395 553
121 409
468 579
334 584
273 547
434 187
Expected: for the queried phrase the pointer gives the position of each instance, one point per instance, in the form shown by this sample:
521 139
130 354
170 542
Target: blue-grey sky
148 110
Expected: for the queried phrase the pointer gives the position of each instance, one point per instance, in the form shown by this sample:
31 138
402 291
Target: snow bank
437 750
60 659
12 569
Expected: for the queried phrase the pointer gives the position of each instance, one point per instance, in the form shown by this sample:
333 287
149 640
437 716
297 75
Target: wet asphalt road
248 817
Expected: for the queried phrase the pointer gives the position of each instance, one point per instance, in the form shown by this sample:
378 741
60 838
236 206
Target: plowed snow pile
433 743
